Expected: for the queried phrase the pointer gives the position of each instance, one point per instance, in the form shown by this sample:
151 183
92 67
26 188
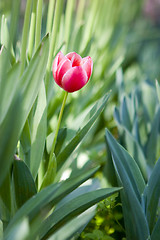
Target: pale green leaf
39 129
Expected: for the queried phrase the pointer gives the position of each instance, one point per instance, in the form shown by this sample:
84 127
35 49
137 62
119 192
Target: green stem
38 23
58 125
54 34
25 35
50 15
32 30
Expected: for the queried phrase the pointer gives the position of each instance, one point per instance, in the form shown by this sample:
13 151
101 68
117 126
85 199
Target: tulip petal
87 65
75 58
74 79
63 67
56 62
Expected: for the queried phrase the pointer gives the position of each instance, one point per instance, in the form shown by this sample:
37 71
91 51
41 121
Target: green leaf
151 145
79 223
25 144
19 231
13 123
156 230
10 88
9 133
152 194
136 152
5 37
158 90
71 209
1 229
125 114
50 173
39 129
5 199
48 197
33 76
24 185
93 114
126 166
132 181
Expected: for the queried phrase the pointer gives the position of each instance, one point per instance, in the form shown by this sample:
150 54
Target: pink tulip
71 72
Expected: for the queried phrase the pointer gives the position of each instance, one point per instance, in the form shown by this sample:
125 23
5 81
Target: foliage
138 169
54 196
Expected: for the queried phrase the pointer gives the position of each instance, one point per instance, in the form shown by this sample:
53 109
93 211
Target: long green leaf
10 88
39 129
9 133
50 195
20 107
79 222
156 231
24 185
5 199
131 179
125 164
94 113
136 152
158 90
152 194
151 145
71 209
33 76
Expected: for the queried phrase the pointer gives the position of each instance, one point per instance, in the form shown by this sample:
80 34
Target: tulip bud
71 72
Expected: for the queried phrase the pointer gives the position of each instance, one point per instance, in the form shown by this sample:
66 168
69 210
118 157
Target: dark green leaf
152 194
24 185
126 166
156 231
50 173
132 181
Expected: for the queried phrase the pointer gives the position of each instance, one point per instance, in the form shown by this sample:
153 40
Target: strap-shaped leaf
71 209
24 185
133 183
79 223
136 152
126 166
95 112
50 195
156 231
158 90
33 76
9 90
151 145
152 194
125 113
39 129
20 107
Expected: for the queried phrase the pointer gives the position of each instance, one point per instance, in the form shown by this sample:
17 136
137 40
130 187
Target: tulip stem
58 126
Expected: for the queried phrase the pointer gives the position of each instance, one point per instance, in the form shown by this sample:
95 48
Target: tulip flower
72 72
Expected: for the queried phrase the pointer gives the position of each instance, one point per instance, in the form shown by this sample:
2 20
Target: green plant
137 168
